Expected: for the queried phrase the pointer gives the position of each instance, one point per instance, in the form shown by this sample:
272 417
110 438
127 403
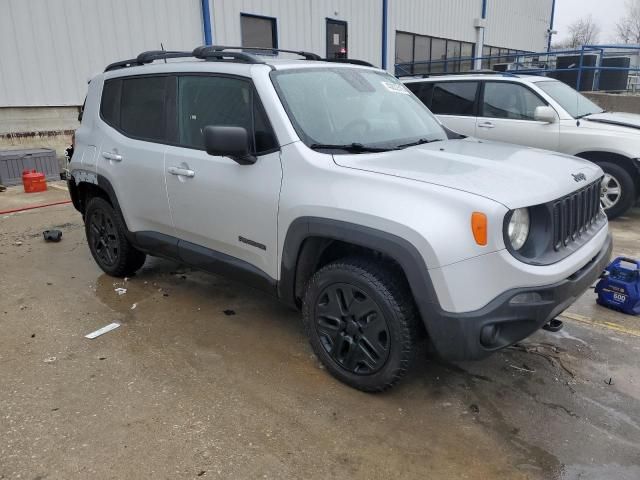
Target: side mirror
545 114
232 142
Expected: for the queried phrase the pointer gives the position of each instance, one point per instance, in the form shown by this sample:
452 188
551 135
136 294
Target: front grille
574 214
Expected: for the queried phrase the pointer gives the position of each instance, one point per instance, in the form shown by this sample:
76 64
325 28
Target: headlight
518 229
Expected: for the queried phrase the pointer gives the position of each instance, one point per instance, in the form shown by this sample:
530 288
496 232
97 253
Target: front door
507 115
336 39
215 202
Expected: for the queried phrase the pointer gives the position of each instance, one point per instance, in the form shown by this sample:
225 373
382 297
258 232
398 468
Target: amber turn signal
479 227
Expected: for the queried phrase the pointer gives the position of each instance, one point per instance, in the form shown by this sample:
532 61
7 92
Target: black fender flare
392 246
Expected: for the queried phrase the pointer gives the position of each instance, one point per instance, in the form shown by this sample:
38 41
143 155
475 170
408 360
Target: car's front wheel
618 193
362 323
108 243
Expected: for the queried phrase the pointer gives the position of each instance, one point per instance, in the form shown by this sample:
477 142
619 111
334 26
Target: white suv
334 188
544 113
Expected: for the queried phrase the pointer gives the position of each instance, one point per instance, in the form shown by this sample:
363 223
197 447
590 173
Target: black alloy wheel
352 328
104 237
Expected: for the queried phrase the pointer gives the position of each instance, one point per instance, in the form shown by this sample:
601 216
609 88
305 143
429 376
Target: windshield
574 103
349 107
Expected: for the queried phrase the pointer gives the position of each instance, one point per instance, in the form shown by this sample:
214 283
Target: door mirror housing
232 142
545 114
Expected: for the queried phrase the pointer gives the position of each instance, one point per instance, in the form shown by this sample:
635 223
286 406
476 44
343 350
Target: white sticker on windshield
395 87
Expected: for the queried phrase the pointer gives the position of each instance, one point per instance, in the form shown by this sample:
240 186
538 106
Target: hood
511 175
621 119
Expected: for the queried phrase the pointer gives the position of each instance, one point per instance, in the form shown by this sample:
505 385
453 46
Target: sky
605 12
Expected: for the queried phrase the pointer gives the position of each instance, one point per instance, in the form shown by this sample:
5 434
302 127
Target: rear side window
136 106
142 113
509 100
220 101
422 90
454 98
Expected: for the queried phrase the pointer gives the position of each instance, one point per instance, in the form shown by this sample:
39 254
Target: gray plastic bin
14 162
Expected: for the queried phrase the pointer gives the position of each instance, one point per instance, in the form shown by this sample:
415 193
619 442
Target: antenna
162 48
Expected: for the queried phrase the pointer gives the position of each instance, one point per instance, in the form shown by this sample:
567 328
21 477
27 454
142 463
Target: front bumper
503 322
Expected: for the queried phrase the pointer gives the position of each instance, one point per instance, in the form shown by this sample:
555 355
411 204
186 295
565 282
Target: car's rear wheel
108 243
362 323
618 193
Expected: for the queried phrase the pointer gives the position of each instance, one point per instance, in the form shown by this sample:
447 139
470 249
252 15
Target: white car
544 113
333 188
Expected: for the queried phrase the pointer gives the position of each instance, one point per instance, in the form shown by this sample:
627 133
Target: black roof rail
214 52
469 72
147 57
258 50
353 61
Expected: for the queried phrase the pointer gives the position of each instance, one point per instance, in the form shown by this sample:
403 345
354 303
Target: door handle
112 156
486 125
182 172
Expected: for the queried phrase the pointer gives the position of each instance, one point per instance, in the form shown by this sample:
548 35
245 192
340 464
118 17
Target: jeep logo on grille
579 177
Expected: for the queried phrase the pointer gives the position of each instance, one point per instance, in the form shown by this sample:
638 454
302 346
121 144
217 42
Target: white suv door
215 202
507 115
454 102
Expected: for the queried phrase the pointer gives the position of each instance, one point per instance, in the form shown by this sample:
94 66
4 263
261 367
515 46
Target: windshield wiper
350 147
421 141
589 114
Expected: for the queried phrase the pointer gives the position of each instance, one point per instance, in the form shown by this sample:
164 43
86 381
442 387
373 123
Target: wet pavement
209 379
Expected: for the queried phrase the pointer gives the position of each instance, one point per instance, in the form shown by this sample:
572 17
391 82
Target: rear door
454 102
507 115
220 205
131 155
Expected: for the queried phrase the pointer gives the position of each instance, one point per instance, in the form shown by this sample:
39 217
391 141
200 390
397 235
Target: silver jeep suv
330 185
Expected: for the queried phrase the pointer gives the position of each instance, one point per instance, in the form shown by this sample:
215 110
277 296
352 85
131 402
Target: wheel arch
84 185
616 158
312 241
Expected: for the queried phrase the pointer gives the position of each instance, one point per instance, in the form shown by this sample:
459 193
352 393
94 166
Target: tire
105 231
362 323
616 179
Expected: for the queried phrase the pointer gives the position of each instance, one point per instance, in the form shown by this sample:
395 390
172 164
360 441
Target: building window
258 31
422 54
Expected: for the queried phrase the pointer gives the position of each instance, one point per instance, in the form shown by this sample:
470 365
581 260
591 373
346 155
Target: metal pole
385 20
206 22
553 14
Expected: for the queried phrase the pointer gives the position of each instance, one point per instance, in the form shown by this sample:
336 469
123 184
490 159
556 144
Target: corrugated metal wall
518 24
301 24
49 49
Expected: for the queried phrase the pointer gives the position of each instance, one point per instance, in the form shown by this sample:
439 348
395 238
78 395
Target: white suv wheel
611 191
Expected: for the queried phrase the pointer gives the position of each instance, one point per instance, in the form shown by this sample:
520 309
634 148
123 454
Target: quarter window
454 98
509 100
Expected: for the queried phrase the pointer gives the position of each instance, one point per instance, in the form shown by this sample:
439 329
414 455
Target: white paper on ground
102 331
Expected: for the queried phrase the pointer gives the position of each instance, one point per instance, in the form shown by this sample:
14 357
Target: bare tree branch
629 26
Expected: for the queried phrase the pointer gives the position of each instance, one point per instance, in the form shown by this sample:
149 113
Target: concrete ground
184 390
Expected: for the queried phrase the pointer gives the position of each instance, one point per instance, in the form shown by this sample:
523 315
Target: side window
422 90
454 98
110 103
142 109
220 101
509 100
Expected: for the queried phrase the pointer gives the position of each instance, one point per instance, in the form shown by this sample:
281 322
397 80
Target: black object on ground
229 312
52 235
554 325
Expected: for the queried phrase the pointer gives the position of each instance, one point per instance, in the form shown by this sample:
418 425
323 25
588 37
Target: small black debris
102 358
609 382
49 283
229 312
55 409
474 408
165 294
33 335
52 235
201 473
184 277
